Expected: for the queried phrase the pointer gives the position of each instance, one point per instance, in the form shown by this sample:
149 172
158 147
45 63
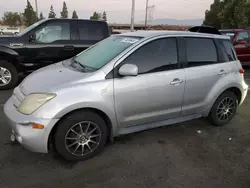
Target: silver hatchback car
124 84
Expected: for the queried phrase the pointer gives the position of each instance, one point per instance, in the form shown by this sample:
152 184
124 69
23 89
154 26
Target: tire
221 115
76 143
9 69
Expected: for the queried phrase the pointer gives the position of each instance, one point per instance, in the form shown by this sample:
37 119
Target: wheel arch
9 55
95 110
235 89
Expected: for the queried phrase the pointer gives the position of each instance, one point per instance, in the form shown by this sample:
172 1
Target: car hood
8 39
48 78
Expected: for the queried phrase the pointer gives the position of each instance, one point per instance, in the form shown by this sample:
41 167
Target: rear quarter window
228 50
201 51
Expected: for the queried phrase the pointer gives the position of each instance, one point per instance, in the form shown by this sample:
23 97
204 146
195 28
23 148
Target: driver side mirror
32 38
240 42
128 70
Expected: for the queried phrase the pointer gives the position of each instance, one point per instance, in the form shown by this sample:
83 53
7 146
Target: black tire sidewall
214 118
14 74
66 123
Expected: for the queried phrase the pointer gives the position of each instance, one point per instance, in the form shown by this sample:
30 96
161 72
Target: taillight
241 71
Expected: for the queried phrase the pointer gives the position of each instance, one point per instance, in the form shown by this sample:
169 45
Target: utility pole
146 15
36 9
132 16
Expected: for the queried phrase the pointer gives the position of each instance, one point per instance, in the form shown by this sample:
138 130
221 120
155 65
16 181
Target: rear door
243 50
87 33
203 71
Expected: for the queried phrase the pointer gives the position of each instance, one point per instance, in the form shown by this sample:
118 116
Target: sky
118 11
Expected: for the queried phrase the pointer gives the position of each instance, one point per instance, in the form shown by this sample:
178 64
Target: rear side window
228 50
201 51
92 31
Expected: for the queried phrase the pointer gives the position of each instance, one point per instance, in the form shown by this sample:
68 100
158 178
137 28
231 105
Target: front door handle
176 82
68 47
223 72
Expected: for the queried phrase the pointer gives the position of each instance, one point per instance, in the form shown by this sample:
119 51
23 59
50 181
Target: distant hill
190 22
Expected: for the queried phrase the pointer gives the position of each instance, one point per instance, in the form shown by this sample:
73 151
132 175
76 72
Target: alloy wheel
5 76
225 109
82 138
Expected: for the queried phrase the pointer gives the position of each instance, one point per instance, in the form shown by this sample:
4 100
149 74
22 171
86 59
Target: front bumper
35 140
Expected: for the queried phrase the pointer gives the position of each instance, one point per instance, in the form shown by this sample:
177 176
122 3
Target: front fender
8 51
98 95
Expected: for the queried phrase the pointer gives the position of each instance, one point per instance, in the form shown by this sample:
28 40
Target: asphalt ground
190 155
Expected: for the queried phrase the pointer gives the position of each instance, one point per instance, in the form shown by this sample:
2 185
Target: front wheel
80 136
224 109
8 75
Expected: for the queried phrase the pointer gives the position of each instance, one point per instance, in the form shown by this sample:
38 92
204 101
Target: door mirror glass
32 38
128 70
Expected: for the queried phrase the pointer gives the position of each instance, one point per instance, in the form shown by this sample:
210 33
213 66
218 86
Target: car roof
71 19
149 34
233 30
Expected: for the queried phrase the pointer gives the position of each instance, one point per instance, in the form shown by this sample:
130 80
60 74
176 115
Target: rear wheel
224 109
8 75
80 136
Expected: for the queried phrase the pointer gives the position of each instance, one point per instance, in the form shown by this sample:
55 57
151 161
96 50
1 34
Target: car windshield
103 52
228 33
27 29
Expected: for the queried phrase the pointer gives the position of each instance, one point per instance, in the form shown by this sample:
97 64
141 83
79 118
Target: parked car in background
46 42
241 41
9 31
124 84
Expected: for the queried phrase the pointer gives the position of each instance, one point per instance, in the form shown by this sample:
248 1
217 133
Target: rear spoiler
205 29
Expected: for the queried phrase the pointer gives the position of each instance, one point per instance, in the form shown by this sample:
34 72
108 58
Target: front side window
243 36
155 56
201 51
104 51
53 32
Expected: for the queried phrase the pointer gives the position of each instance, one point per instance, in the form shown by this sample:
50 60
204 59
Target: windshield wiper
84 66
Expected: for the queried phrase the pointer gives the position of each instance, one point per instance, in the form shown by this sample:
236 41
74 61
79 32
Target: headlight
34 101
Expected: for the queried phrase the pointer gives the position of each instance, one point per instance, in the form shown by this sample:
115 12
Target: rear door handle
69 48
222 72
176 82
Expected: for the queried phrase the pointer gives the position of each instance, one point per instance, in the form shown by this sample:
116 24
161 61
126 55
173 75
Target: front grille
17 97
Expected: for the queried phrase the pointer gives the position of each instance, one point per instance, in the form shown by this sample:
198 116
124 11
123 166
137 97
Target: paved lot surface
174 156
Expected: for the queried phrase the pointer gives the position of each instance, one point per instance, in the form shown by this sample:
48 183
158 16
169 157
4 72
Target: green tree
212 15
29 14
74 15
64 13
11 19
41 16
235 13
104 16
95 16
52 13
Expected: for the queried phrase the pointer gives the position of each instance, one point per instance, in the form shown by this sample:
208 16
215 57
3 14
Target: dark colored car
46 42
241 41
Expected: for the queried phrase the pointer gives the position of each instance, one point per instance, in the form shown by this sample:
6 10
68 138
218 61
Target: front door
243 50
52 44
156 93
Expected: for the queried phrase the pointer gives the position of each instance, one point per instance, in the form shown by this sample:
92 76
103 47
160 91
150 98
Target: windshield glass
228 33
102 53
27 29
